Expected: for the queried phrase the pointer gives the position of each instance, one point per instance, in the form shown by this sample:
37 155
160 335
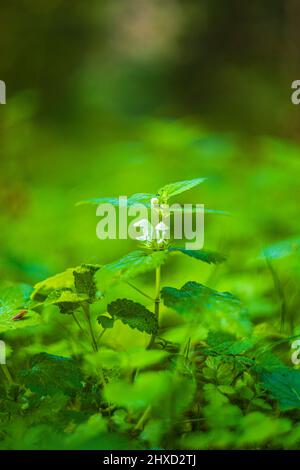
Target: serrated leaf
79 279
221 311
138 198
59 281
134 315
194 296
173 189
66 300
49 374
135 263
84 280
13 298
284 385
105 321
209 257
225 344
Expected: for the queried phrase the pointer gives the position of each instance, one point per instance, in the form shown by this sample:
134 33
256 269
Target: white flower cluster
159 233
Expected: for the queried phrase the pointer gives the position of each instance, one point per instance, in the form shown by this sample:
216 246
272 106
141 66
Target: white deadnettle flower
154 202
147 231
161 232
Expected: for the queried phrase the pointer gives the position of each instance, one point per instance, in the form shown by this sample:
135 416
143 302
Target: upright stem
86 310
157 292
156 301
7 374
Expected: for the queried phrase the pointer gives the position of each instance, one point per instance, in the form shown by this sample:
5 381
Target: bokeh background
106 98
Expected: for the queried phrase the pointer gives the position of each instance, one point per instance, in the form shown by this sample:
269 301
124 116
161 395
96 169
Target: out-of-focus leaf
257 428
153 389
79 278
13 298
209 257
284 385
222 345
173 189
194 209
84 280
59 281
138 198
135 263
220 311
105 321
66 300
49 374
134 315
126 360
193 296
281 249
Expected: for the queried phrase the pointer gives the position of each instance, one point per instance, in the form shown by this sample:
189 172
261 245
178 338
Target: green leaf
257 428
105 321
13 298
153 389
134 315
227 389
209 257
79 279
284 385
66 300
59 281
48 373
281 249
138 198
193 296
194 210
173 189
224 344
126 360
135 263
220 311
84 280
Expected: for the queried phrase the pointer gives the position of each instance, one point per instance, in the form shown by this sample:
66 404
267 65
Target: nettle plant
206 380
76 290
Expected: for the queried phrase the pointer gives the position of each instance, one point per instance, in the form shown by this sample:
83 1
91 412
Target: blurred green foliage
116 98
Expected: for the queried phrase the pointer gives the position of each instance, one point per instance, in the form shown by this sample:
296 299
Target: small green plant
202 376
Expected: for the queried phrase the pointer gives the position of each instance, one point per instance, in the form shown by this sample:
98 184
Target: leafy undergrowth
188 368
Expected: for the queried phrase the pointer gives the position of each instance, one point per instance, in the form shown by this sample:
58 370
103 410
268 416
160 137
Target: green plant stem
280 293
7 374
86 311
156 301
157 292
140 424
140 291
101 334
77 322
